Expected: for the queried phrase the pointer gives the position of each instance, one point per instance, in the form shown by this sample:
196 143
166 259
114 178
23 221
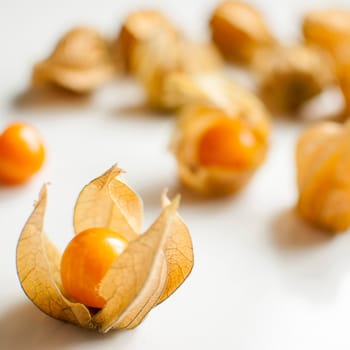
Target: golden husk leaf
80 62
291 76
239 31
140 278
323 165
109 203
136 280
154 61
226 100
178 252
37 265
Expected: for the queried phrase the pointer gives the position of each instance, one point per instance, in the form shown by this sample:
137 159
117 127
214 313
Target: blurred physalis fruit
140 27
328 29
22 153
291 76
110 275
80 62
218 150
155 61
323 168
239 31
214 88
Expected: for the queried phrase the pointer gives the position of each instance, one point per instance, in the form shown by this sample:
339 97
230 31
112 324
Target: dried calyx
330 30
231 121
291 76
80 62
152 266
140 27
323 165
155 61
239 31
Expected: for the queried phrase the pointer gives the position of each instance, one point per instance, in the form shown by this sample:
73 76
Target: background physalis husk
239 31
155 60
80 62
291 76
232 101
323 165
151 268
330 30
140 27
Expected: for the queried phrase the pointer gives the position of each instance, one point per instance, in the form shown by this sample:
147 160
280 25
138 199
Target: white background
262 278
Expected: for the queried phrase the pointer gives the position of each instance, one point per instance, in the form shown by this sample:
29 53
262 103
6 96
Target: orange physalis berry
228 143
85 262
22 153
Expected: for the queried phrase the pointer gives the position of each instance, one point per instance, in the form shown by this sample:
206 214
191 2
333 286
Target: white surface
262 279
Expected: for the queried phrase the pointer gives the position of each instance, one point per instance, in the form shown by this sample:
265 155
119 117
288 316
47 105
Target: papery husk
140 278
328 29
215 89
141 275
239 31
37 264
323 165
195 119
124 214
178 252
80 62
140 27
156 60
109 203
291 76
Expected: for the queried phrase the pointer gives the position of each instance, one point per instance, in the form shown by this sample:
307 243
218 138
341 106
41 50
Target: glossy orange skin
85 262
22 153
229 143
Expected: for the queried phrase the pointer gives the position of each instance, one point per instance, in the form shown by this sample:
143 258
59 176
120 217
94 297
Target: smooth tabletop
262 280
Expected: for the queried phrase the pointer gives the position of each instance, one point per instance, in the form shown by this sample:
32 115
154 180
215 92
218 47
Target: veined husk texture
80 62
151 268
232 102
323 166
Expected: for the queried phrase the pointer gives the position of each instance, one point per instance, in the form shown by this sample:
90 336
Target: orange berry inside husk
228 143
85 262
22 153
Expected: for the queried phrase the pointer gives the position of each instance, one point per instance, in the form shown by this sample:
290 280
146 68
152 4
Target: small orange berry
85 262
229 143
22 153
